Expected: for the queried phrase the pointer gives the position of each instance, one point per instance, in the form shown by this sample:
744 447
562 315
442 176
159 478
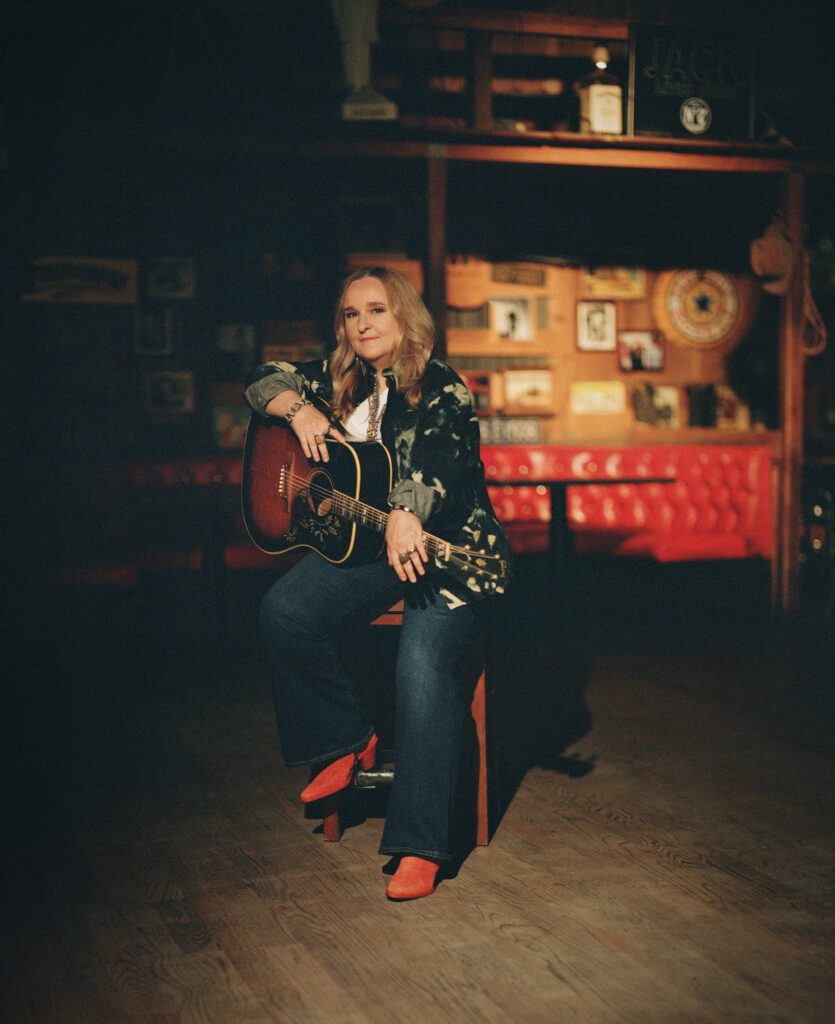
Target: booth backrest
719 505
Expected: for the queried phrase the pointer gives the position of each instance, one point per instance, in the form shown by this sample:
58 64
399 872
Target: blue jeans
319 714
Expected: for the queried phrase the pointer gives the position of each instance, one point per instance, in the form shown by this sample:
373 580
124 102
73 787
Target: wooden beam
519 22
791 402
602 154
481 58
436 187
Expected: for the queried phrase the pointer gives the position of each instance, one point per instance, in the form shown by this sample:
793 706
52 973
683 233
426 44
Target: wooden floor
675 864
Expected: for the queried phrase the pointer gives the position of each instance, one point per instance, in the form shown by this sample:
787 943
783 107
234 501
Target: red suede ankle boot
415 877
339 773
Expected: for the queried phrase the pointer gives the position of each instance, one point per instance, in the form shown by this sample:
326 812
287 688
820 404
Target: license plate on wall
689 84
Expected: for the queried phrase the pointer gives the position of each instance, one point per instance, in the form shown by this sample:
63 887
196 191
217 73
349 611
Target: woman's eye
349 314
379 309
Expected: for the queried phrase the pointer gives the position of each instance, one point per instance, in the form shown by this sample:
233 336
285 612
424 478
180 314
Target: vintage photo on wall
658 406
169 393
155 330
511 318
640 350
613 283
169 278
596 326
484 388
527 392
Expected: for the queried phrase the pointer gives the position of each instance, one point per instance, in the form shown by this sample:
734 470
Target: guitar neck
366 515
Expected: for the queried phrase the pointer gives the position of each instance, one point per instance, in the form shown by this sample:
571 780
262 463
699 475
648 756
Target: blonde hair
411 349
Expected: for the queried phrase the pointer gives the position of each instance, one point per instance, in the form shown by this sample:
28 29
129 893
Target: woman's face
371 326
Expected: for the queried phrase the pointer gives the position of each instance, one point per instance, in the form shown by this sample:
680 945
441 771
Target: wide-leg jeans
304 618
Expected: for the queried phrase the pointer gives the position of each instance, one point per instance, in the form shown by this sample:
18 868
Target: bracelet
294 408
402 508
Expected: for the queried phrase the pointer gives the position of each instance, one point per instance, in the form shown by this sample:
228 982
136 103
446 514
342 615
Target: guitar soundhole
320 494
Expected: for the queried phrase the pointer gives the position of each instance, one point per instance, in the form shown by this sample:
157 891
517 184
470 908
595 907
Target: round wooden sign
704 308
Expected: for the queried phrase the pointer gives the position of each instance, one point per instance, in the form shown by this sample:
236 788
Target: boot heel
331 819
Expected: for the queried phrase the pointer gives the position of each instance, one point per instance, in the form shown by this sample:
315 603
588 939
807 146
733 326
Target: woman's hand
404 545
311 427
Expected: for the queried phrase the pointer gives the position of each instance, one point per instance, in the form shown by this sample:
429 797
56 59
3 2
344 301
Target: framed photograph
482 386
156 330
169 393
640 350
236 339
229 425
89 281
168 278
596 327
614 283
731 412
515 431
672 92
511 318
597 397
657 405
528 392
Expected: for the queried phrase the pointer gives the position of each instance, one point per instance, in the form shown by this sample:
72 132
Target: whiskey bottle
601 99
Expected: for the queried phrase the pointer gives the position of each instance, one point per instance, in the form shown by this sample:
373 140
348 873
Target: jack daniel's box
689 84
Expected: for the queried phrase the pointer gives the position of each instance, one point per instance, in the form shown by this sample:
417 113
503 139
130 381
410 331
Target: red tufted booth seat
719 505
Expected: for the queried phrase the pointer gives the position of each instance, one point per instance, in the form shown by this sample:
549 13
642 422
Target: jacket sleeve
270 379
440 465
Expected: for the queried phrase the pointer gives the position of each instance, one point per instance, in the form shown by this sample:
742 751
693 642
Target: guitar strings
461 556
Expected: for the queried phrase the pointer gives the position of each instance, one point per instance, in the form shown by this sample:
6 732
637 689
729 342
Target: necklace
374 414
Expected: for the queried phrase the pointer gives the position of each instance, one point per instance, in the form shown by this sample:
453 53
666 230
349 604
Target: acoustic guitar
339 509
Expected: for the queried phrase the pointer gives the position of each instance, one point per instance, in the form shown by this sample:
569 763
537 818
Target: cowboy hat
772 259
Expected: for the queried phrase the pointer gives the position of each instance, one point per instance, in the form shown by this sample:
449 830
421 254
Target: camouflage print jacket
438 468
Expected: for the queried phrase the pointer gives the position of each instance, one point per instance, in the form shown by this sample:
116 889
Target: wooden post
791 402
481 79
436 244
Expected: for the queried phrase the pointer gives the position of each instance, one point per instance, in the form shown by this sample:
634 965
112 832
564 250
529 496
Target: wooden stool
383 776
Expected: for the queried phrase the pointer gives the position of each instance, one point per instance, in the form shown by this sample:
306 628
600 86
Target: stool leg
479 713
332 819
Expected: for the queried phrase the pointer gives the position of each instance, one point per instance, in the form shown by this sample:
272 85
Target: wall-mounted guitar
339 509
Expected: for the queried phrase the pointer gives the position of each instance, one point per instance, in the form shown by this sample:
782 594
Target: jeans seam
391 851
354 748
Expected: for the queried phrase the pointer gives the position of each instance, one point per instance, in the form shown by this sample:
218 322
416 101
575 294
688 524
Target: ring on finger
318 438
406 557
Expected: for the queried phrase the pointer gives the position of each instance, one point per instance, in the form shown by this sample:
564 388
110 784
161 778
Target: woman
379 382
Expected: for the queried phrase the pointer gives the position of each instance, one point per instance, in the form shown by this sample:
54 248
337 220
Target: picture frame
670 93
596 327
235 339
171 278
597 397
528 392
156 330
510 318
63 279
614 283
229 425
657 405
482 386
524 430
168 393
731 412
640 350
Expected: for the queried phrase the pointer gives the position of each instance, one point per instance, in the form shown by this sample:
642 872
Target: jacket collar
368 373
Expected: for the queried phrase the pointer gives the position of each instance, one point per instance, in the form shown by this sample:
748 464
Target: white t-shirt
356 426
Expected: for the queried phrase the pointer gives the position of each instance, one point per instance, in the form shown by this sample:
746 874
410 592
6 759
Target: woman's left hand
405 545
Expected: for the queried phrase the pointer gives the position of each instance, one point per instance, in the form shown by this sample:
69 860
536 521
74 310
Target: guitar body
288 501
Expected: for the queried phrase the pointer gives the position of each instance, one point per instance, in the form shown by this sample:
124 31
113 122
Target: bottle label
604 112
